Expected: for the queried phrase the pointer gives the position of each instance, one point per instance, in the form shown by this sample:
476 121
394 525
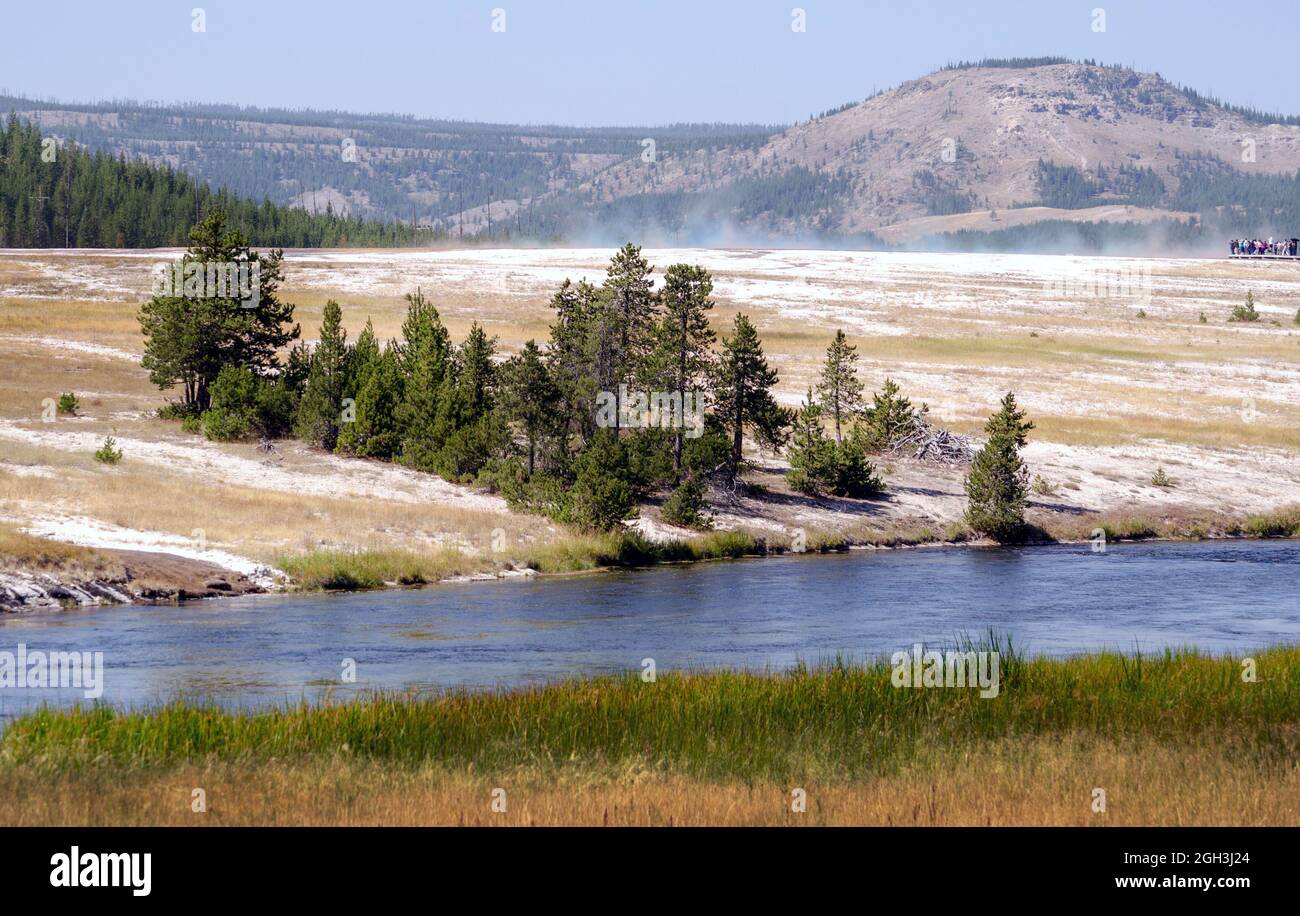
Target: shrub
1042 487
650 458
707 451
855 476
686 506
501 475
225 425
68 404
601 495
108 453
1161 479
245 404
812 453
177 411
820 464
467 450
542 493
1245 312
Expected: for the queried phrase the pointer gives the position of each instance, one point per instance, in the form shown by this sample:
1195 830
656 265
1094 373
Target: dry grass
1020 781
23 551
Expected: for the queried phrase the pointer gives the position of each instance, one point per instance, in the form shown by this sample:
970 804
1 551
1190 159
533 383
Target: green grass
1284 523
837 721
368 569
1132 529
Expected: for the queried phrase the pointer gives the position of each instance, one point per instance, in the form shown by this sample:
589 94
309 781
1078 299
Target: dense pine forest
63 196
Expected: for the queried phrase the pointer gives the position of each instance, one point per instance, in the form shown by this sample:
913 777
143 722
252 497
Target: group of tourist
1261 246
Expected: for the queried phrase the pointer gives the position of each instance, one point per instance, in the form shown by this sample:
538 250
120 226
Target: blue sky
614 61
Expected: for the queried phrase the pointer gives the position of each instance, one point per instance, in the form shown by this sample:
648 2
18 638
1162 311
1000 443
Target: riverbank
38 573
44 574
1177 738
361 570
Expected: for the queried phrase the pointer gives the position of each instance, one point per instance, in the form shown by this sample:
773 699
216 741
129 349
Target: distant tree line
55 196
422 171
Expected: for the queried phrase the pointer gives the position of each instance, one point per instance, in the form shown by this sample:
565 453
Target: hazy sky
614 61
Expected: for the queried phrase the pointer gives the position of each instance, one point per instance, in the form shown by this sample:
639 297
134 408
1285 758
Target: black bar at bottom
337 865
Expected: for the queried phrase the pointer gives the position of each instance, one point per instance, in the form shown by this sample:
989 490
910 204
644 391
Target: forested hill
60 195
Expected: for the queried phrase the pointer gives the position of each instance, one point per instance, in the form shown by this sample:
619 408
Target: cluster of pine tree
539 426
555 429
840 466
54 196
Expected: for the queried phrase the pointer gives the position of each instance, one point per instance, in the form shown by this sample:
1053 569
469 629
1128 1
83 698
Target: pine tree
422 328
811 454
839 391
998 483
477 371
602 493
571 356
530 399
743 392
890 416
686 506
361 360
319 411
624 323
682 356
375 433
425 364
190 340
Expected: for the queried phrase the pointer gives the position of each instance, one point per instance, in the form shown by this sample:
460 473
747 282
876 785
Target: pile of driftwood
924 441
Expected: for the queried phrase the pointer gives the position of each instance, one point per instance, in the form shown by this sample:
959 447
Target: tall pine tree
623 326
530 399
839 391
682 356
320 410
743 392
424 359
189 340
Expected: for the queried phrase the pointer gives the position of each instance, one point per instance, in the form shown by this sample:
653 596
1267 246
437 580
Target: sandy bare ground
1110 356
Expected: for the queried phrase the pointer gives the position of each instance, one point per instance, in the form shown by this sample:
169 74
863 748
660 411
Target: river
1222 597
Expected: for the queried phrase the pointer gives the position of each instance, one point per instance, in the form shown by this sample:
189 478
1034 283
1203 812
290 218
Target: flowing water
1221 597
